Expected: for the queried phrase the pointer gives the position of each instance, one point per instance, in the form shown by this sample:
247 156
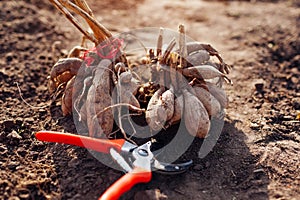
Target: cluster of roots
107 93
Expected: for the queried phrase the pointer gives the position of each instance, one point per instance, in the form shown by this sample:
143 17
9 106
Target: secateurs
137 161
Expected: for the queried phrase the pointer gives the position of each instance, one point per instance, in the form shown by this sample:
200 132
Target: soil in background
257 155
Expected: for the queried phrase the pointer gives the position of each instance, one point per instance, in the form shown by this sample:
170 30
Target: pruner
137 161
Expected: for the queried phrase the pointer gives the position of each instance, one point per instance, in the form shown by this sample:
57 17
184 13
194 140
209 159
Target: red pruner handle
125 183
100 145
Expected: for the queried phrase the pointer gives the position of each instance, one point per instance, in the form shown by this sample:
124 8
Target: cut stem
182 47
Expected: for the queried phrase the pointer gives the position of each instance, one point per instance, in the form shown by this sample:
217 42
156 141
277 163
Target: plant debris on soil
257 154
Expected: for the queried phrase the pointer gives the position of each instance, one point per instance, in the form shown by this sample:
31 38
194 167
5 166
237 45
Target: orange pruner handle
96 144
125 183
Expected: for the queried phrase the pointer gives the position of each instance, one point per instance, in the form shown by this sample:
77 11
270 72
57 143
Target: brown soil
257 155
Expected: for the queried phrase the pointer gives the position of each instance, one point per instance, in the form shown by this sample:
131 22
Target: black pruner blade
165 168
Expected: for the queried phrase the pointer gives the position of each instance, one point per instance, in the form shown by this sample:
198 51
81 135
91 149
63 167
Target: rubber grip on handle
100 145
125 183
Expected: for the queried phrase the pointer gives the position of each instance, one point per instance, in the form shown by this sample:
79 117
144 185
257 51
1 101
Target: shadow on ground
229 171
